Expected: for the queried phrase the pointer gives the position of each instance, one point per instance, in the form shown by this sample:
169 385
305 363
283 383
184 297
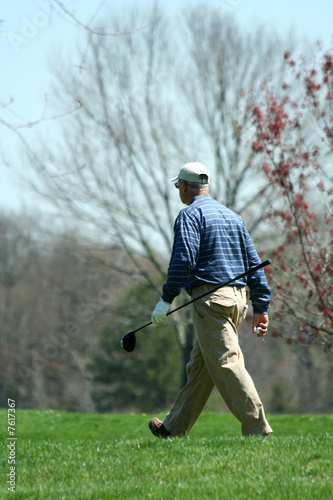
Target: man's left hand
160 312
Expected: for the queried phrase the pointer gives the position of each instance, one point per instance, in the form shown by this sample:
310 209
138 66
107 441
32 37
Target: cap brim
174 179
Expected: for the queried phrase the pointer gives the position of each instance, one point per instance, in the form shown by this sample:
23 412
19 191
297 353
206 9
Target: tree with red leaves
294 145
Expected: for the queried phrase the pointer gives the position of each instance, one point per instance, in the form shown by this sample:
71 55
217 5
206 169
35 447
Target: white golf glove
160 312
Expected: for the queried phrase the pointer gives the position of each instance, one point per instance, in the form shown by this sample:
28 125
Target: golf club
129 339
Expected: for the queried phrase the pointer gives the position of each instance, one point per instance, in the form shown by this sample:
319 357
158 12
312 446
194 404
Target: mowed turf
62 455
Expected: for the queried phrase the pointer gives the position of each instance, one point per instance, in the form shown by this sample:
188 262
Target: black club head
128 341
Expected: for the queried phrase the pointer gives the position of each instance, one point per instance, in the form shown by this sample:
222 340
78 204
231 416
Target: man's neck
193 194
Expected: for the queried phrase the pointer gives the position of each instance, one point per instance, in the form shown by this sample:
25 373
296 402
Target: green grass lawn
63 455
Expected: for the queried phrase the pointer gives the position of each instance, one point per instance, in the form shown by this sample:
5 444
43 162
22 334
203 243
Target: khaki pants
216 359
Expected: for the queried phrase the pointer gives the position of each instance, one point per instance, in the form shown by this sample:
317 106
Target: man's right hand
260 324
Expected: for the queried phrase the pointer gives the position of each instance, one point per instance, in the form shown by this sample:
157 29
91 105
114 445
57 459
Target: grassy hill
63 455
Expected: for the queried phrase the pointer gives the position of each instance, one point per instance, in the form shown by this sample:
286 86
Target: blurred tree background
147 380
149 102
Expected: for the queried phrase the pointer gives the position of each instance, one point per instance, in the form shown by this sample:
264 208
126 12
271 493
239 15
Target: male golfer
212 246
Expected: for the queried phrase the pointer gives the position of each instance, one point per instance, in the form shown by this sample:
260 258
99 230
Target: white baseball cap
193 172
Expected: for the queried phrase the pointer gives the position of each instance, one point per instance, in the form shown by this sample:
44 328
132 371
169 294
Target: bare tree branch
102 32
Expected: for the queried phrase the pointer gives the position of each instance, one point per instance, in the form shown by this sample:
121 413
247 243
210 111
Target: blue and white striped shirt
212 245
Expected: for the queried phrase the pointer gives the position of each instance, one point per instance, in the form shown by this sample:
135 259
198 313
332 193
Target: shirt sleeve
260 293
184 255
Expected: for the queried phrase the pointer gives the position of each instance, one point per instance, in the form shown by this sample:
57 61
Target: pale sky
31 33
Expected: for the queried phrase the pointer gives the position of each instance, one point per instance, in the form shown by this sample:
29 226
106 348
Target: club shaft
142 327
221 285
